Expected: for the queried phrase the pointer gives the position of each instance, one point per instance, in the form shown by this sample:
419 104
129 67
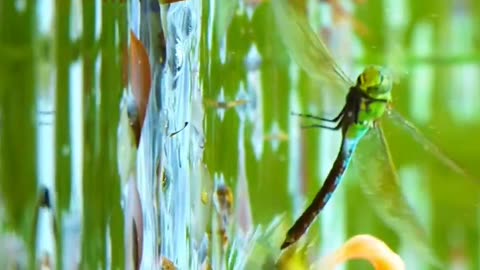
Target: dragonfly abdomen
321 198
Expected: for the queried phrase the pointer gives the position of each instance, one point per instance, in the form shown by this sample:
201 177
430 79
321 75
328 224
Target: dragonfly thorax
368 100
376 82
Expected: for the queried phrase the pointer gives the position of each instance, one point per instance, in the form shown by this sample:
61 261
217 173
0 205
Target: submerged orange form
364 247
140 79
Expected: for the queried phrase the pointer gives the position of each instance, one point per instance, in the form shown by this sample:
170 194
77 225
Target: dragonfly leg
337 127
306 115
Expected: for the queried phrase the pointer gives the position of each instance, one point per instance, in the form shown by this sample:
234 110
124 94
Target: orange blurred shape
140 78
365 247
167 264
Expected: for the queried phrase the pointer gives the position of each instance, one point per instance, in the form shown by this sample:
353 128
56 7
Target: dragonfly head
375 80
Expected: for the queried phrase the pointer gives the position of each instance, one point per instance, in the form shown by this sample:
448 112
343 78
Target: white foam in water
45 241
275 132
463 94
422 76
223 50
211 16
98 20
397 12
255 110
221 98
134 16
294 150
45 10
253 60
76 25
241 95
178 85
21 5
76 134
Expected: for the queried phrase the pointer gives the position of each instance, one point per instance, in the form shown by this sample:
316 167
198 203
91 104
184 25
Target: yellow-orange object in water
365 247
140 79
224 104
167 264
223 201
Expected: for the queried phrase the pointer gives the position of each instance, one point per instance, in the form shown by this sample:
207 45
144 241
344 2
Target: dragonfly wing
305 47
381 184
429 146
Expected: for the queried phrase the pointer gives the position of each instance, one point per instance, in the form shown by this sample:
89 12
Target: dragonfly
367 102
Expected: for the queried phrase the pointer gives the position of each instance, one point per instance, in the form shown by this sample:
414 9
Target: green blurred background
66 57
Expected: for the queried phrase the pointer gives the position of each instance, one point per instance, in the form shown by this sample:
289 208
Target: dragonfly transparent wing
451 189
305 47
428 145
378 178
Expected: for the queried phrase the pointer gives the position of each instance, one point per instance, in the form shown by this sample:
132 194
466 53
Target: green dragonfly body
366 102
